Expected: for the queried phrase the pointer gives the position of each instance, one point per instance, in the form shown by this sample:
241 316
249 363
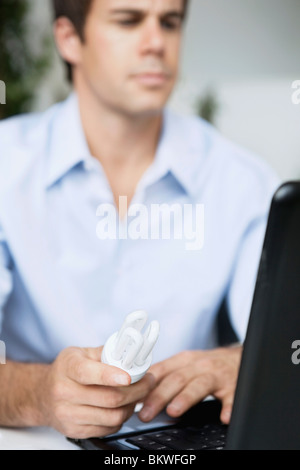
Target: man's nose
153 40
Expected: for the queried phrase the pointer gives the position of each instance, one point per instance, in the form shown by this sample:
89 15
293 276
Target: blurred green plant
208 106
20 68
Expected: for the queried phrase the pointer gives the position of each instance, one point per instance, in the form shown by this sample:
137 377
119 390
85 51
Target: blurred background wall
239 60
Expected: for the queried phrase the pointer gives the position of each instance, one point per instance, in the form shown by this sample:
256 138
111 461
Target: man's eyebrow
136 12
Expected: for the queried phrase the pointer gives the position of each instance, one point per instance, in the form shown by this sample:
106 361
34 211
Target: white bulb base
136 372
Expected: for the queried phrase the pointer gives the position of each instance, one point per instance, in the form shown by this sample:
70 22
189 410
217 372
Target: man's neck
119 140
124 145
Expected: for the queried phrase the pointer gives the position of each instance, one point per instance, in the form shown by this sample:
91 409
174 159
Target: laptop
266 411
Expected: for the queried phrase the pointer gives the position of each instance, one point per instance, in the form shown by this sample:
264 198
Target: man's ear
67 40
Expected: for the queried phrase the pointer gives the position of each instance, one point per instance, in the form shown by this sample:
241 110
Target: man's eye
171 24
128 22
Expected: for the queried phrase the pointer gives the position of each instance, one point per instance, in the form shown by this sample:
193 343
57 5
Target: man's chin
145 110
150 106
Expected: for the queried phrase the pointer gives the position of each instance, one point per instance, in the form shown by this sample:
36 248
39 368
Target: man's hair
77 11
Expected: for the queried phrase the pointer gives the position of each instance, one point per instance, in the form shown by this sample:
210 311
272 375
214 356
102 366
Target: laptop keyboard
207 437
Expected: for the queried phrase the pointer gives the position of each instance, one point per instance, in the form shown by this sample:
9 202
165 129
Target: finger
196 390
88 432
86 371
93 416
138 391
112 397
227 404
94 353
163 368
168 388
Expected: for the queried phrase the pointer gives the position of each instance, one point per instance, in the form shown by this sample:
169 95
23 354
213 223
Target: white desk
34 439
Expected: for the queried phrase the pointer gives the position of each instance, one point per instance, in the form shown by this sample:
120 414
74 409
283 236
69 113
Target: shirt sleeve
5 275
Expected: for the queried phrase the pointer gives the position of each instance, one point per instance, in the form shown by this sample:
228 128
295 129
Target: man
63 291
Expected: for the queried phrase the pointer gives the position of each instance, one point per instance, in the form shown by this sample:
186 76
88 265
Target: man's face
130 55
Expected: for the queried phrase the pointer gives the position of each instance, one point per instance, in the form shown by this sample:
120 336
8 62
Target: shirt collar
179 151
68 146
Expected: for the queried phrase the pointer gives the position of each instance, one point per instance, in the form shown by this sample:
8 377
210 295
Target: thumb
111 373
94 353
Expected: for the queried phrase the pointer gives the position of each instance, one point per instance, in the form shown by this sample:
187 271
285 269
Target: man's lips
153 79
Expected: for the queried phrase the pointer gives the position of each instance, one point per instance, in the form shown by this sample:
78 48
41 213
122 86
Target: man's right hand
82 397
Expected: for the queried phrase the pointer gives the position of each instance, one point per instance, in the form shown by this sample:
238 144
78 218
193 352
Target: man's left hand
189 377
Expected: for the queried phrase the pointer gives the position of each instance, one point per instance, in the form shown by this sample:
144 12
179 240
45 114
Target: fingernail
120 380
146 413
175 407
226 416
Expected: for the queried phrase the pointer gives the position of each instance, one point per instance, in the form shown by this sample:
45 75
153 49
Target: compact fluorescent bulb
129 349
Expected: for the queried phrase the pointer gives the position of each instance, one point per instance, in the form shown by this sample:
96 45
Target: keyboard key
146 444
190 438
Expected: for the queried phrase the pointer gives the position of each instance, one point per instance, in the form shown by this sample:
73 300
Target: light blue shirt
61 284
